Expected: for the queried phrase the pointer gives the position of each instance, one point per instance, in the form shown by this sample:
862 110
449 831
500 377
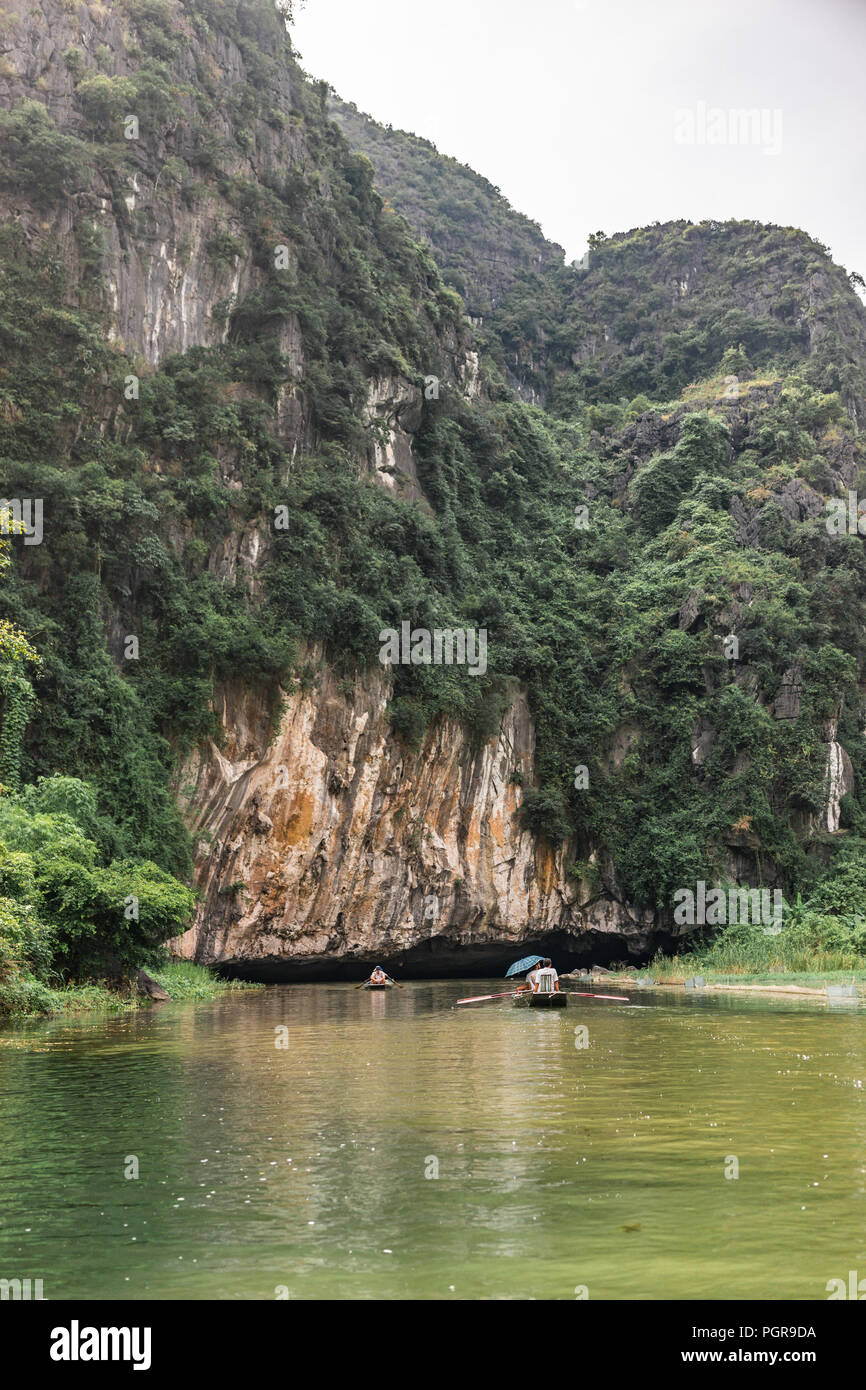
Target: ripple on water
399 1147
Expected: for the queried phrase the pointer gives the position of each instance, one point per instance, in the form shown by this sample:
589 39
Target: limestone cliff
330 843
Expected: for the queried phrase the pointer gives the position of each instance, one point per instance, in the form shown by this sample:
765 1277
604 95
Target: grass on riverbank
184 980
812 949
181 979
675 970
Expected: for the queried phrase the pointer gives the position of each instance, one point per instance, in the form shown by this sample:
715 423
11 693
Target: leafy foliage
66 913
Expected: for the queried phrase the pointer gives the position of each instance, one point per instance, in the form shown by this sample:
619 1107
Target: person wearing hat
378 976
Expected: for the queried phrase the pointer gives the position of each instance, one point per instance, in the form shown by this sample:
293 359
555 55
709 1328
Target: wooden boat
386 984
557 1000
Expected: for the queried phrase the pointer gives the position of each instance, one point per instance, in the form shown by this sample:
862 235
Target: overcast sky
609 114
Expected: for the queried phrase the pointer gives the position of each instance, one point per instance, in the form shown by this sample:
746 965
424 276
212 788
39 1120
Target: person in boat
530 984
378 976
532 977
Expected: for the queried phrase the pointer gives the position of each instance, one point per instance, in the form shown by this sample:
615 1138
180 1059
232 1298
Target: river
287 1143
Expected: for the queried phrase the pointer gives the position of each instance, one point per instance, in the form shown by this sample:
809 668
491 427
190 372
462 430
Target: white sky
570 106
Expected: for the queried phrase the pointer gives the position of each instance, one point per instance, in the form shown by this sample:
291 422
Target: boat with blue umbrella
542 990
520 967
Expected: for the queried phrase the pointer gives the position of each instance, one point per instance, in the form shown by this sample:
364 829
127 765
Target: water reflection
308 1166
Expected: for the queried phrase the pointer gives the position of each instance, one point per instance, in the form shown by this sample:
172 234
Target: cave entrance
442 959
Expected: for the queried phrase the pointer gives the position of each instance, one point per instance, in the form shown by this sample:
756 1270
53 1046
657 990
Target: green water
304 1168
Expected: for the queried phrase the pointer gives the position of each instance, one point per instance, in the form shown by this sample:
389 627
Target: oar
479 998
578 994
581 994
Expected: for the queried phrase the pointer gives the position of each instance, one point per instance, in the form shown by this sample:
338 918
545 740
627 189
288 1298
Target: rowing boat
386 984
555 1000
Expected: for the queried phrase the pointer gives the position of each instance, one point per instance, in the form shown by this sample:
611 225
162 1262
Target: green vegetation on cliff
480 244
646 313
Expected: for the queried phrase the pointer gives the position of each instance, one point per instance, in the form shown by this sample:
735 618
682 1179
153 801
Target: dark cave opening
442 959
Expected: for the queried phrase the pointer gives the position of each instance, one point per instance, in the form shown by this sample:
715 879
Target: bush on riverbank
69 913
182 980
823 934
25 959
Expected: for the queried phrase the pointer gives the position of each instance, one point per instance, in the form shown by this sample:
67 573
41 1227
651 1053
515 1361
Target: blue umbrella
521 966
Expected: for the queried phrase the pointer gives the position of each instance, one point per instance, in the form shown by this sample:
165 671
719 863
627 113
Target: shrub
406 717
111 921
77 915
25 958
544 812
36 154
105 100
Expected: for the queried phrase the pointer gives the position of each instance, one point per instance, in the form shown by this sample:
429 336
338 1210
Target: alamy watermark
22 516
77 1343
717 908
419 646
22 1290
856 1287
757 126
843 518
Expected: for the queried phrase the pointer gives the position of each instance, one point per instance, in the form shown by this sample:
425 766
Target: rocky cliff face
159 279
327 842
330 844
566 333
340 384
481 244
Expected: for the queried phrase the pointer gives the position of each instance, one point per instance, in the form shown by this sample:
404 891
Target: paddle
581 994
578 994
479 998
